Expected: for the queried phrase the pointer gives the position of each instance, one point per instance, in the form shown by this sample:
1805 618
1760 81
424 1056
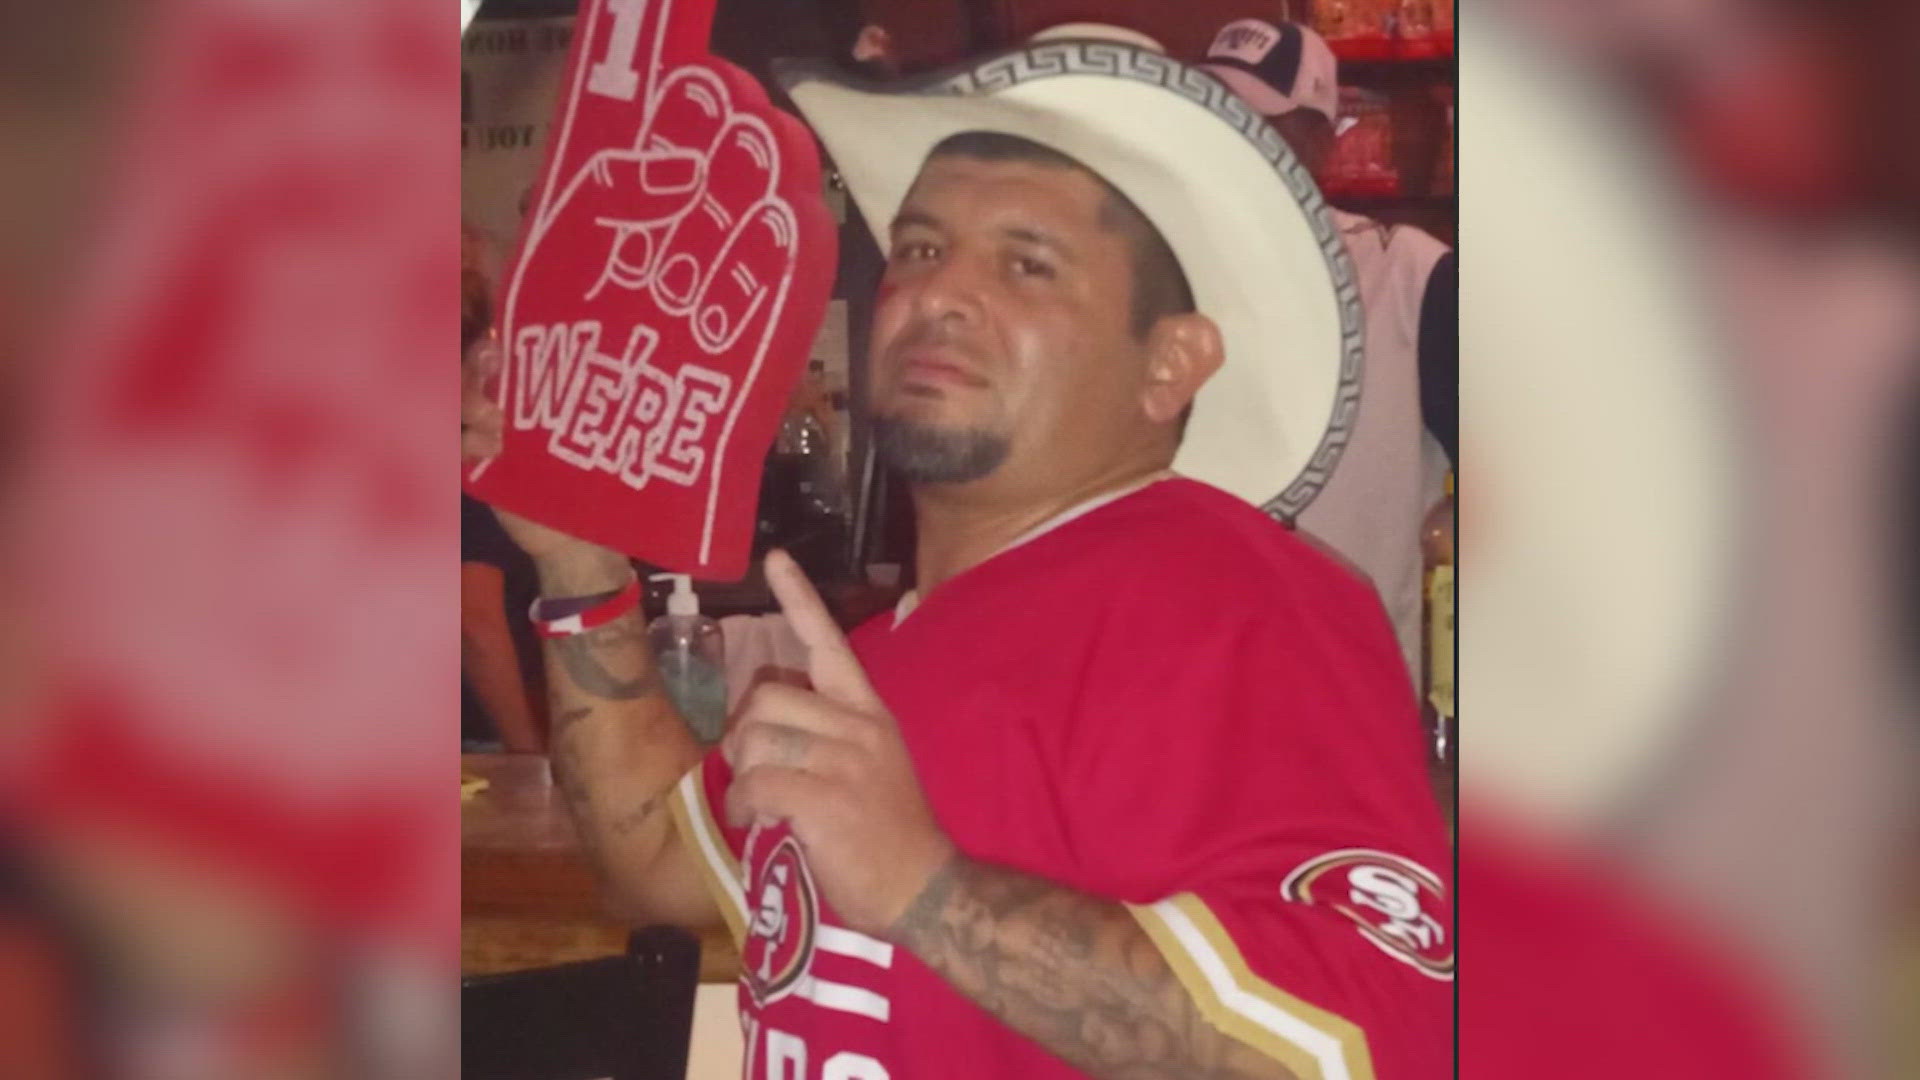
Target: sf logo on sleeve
1398 904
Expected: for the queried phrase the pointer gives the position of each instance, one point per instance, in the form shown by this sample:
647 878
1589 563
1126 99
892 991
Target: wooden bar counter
528 897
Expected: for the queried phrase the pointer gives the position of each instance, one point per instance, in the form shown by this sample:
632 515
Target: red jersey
1170 701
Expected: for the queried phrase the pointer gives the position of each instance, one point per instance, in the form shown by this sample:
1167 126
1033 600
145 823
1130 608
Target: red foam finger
664 298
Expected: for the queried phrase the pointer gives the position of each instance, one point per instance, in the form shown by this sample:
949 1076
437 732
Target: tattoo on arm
618 747
585 658
622 824
1075 973
598 832
567 718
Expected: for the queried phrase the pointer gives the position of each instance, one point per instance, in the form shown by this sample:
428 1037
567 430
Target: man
1390 475
1131 786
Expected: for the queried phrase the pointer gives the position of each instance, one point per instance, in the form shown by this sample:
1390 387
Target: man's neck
959 529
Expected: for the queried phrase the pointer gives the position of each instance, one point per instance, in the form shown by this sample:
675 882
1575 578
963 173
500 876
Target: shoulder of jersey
1193 536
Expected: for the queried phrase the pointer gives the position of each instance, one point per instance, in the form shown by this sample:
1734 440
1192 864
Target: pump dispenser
683 600
690 654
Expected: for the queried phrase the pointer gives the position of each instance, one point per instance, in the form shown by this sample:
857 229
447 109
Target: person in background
500 681
1392 469
873 52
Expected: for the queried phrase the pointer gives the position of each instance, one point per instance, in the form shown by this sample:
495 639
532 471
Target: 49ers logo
785 913
1399 905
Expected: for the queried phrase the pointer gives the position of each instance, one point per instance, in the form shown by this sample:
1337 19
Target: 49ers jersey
1169 701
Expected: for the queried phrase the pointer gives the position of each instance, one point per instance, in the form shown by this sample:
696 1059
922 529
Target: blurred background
1690 464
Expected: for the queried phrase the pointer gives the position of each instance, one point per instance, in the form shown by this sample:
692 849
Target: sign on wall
510 73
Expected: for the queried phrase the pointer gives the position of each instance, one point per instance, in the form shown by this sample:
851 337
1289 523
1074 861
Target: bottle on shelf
1424 29
1437 557
803 505
804 443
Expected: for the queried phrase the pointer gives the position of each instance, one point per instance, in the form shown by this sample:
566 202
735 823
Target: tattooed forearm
609 662
617 826
1074 973
617 747
607 838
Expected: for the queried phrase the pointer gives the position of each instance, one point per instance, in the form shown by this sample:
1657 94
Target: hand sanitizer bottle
689 653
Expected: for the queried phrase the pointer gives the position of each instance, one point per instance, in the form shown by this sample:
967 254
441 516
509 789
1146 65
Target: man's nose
951 289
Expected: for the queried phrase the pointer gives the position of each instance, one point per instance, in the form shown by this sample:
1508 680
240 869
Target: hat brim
1243 217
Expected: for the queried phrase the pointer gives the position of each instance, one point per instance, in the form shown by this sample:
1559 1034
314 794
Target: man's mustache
931 334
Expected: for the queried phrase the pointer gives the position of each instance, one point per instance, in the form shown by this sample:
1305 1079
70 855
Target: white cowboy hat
1094 31
1245 220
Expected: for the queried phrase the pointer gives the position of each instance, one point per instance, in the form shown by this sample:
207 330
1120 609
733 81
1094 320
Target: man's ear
1183 352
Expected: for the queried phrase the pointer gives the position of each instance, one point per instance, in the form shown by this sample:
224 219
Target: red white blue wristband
599 613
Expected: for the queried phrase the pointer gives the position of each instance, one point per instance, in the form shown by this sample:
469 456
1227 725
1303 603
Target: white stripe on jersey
714 848
853 999
843 942
1322 1046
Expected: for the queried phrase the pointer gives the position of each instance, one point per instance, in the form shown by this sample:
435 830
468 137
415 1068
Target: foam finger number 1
664 296
614 75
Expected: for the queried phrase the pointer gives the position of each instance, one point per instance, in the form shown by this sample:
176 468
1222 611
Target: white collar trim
911 599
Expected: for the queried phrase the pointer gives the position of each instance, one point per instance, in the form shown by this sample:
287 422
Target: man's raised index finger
830 660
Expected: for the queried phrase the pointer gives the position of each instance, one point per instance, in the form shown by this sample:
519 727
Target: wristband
598 614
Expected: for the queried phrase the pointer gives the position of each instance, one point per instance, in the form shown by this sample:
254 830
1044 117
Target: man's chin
923 451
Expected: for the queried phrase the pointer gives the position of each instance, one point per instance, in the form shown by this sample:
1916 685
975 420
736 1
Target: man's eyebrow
912 218
908 218
1040 239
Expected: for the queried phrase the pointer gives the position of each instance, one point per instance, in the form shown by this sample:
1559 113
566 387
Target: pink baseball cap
1275 67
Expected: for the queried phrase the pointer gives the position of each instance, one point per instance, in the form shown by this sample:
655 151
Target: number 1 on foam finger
615 76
